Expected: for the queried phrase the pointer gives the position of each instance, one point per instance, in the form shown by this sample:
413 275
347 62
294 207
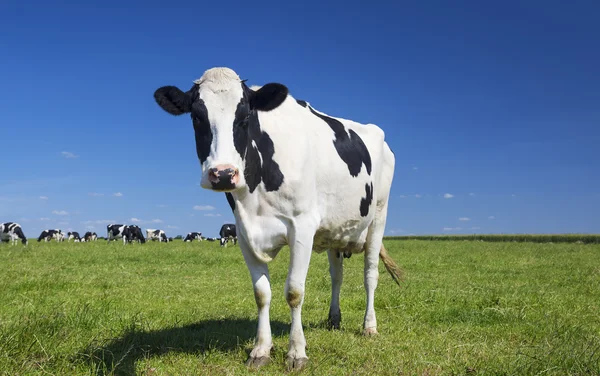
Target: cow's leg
371 269
259 271
336 271
300 252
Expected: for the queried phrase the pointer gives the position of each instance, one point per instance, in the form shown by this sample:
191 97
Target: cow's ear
173 100
268 97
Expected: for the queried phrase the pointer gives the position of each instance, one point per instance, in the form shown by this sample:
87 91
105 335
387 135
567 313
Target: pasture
465 307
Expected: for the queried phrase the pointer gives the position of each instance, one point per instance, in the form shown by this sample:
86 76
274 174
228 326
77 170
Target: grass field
486 308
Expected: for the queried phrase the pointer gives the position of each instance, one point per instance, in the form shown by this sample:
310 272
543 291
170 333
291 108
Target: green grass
485 308
536 238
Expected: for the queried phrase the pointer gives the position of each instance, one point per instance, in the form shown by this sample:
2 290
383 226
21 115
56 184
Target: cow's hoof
333 322
257 362
370 332
296 364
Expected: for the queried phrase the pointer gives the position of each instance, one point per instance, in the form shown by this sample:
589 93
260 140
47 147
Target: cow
227 233
11 231
50 234
127 233
152 234
193 236
170 239
90 236
210 239
73 236
295 176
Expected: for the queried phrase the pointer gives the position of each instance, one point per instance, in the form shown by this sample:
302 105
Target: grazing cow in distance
90 236
227 233
193 236
292 176
50 234
73 236
210 239
125 232
152 234
11 231
136 233
170 239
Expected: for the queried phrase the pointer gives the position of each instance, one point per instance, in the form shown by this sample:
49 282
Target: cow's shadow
119 356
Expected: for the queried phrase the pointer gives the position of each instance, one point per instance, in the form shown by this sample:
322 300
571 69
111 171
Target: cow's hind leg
371 267
336 271
259 271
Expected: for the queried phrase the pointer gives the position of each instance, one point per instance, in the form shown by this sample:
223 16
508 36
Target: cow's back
325 180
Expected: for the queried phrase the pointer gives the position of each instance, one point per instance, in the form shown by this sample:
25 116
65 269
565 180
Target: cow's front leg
300 252
259 271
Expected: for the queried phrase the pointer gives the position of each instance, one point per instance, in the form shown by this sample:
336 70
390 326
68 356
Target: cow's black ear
268 97
173 100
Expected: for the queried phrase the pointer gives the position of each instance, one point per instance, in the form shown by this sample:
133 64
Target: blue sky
493 110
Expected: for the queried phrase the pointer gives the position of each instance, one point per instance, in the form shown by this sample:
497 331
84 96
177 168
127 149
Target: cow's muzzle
223 177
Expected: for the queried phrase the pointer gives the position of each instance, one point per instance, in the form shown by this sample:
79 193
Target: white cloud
90 227
471 194
95 194
44 219
452 228
491 217
142 221
63 223
475 228
169 226
118 194
415 168
135 220
161 206
418 195
100 222
212 215
513 195
156 221
396 231
464 219
204 207
68 154
402 196
59 212
448 195
43 197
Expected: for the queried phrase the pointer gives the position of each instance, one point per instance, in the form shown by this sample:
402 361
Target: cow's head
221 107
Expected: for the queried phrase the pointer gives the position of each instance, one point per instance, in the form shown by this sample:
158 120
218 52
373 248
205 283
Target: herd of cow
12 232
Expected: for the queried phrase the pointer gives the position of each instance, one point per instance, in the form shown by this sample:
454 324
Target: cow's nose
223 177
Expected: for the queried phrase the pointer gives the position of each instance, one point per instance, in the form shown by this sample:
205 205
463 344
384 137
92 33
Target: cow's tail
391 266
19 232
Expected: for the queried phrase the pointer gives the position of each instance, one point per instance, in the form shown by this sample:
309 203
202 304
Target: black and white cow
152 234
125 232
210 239
193 236
136 234
11 231
50 234
227 233
73 236
90 236
292 175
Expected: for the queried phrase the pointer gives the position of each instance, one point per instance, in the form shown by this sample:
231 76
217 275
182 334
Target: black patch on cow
240 123
230 200
202 132
302 103
269 172
156 232
366 201
6 227
351 148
